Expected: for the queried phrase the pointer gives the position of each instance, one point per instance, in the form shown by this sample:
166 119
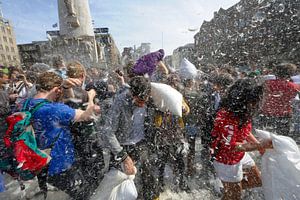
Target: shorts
233 173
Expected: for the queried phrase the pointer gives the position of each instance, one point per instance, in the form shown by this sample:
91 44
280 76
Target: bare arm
253 145
162 67
90 111
67 87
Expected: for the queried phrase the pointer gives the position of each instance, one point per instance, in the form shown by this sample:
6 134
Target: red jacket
278 95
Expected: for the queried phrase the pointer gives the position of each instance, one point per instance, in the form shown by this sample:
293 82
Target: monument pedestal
82 49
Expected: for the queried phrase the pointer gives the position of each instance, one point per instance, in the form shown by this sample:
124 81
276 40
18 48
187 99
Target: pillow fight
111 137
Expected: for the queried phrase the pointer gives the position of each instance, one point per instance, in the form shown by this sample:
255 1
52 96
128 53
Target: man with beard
51 123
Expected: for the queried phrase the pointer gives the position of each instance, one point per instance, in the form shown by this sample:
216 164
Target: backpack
21 157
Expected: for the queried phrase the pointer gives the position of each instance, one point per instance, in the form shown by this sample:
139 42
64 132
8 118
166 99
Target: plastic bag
187 70
167 98
116 185
296 79
280 168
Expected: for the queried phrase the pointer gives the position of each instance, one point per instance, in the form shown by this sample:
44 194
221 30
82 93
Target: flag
54 25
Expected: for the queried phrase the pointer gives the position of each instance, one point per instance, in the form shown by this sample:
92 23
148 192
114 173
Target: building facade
107 53
9 54
186 51
251 33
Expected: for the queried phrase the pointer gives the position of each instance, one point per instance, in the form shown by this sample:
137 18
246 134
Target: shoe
156 198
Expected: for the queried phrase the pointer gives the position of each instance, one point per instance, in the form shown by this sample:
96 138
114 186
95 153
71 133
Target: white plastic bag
280 168
269 77
167 98
116 185
296 79
187 70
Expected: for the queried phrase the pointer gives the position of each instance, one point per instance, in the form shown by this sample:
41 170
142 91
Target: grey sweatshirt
124 124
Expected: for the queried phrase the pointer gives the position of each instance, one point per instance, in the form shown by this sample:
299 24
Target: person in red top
278 94
232 138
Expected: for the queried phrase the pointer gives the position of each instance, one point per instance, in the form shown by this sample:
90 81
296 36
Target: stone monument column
77 38
75 18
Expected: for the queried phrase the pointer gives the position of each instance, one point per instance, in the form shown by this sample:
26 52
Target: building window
3 29
12 49
4 39
7 48
9 57
1 47
3 56
9 31
14 58
11 40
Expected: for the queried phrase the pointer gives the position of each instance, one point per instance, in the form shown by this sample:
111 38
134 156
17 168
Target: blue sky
131 22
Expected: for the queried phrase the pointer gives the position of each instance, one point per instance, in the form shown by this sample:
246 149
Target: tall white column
75 18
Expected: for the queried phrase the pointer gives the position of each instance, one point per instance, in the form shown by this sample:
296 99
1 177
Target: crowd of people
84 113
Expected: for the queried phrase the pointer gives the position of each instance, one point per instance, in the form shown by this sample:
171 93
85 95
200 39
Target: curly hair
140 87
241 97
48 80
75 70
285 70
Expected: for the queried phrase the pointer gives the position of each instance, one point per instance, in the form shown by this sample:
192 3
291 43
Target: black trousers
71 181
169 152
140 152
81 180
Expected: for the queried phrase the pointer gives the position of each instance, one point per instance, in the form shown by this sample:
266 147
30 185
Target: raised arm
91 110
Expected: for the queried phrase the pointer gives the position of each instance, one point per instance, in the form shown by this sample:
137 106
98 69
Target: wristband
66 88
121 156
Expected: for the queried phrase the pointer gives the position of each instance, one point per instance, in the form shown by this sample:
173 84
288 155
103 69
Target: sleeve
111 126
66 114
295 86
186 108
